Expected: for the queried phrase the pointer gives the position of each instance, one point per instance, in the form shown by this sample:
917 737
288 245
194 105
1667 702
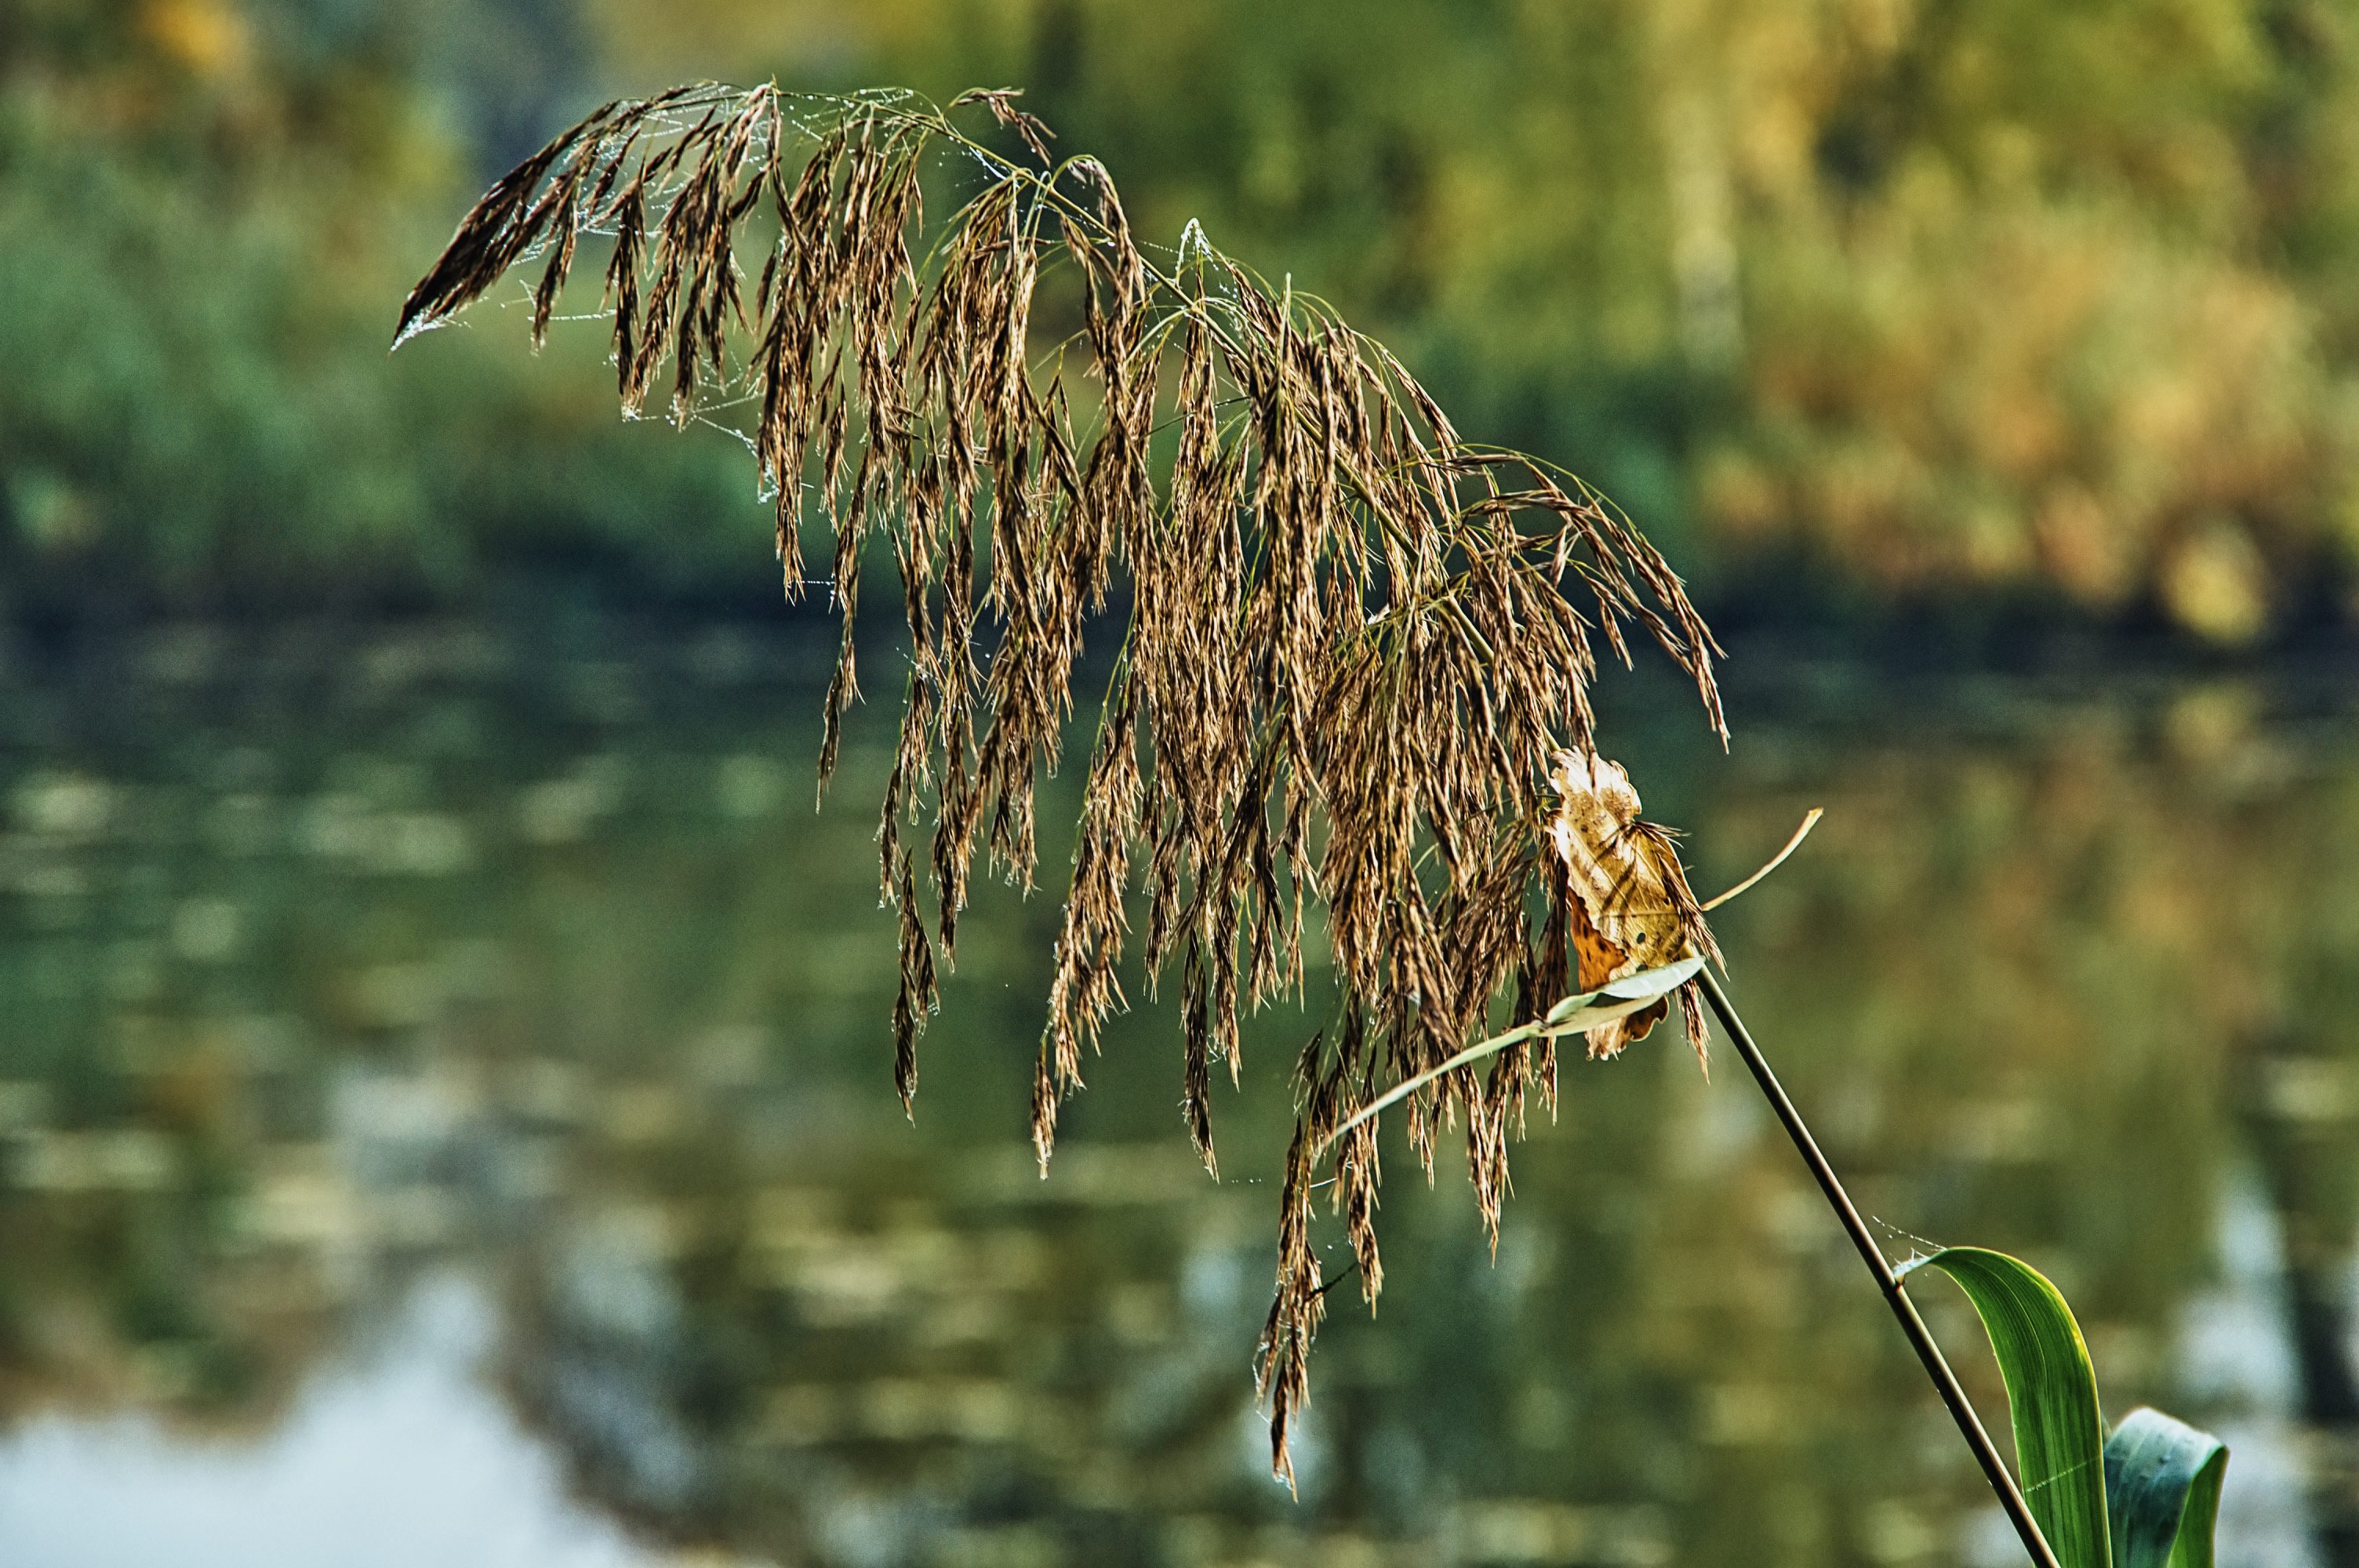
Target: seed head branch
1351 676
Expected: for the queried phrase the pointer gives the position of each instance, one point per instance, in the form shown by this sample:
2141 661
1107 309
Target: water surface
445 1116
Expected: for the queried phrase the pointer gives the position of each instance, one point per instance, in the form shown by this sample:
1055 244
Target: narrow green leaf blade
2051 1391
1653 982
2162 1491
1570 1005
1615 998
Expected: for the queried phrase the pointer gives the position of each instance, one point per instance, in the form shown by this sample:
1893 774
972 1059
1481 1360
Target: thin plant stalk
1945 1381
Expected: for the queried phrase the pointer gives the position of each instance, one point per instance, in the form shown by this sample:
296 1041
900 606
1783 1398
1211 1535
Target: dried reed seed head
1347 653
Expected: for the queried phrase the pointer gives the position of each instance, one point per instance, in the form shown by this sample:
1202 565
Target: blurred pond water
445 1116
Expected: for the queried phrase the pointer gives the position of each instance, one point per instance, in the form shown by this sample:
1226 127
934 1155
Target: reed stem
1945 1381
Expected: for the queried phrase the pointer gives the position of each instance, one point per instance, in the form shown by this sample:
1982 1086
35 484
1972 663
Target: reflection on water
465 1071
404 1458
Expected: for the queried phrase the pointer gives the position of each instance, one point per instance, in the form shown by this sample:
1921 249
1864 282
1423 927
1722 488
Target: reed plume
1350 648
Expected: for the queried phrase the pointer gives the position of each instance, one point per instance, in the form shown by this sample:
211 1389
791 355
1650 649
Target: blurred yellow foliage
1995 298
1948 297
207 37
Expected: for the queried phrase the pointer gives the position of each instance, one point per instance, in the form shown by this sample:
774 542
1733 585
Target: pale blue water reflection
403 1455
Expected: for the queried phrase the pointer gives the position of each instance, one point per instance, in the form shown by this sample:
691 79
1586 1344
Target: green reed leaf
1565 1008
2162 1486
1573 1014
2051 1391
1653 982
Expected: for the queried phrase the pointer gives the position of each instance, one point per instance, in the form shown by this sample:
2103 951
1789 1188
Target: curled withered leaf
1630 908
1348 650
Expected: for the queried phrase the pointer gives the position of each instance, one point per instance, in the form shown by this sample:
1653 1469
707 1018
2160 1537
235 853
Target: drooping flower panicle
1341 645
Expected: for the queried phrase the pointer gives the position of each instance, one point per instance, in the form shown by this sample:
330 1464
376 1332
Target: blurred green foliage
1915 296
208 216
